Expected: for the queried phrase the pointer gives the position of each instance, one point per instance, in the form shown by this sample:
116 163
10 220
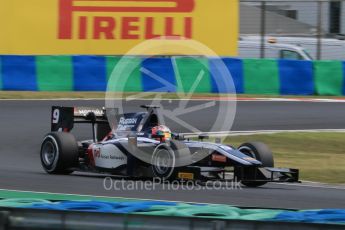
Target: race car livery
138 145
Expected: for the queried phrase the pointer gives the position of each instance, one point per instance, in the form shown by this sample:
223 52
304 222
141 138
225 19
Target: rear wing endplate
64 118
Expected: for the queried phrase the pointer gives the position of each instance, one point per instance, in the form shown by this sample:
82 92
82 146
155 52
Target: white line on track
252 132
107 197
310 184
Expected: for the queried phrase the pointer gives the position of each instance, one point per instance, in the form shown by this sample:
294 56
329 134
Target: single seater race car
141 147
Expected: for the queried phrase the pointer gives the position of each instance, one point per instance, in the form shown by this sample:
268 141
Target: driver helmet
162 131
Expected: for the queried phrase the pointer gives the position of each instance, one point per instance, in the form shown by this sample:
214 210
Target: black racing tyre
59 153
102 131
163 163
259 151
168 157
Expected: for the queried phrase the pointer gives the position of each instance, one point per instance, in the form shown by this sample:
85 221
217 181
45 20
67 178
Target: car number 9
56 115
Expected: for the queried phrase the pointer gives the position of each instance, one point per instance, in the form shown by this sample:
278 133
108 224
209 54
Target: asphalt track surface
24 123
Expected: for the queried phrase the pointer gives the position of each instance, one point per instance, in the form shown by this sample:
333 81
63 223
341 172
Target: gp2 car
131 150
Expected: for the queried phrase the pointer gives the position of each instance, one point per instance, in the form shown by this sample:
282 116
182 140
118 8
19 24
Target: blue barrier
255 76
91 206
100 206
89 73
235 68
296 77
317 216
158 75
0 73
18 73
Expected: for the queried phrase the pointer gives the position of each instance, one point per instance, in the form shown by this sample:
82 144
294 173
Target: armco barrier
177 74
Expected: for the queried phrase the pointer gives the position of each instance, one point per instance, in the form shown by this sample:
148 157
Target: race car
138 145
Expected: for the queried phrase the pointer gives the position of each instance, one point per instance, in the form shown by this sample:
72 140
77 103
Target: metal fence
315 25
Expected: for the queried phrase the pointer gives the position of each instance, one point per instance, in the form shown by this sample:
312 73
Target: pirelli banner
38 27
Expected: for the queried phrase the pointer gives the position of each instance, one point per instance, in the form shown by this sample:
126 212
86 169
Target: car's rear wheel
262 153
168 158
59 153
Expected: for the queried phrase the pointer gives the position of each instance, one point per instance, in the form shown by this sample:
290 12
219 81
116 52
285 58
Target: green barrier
21 202
54 73
161 210
130 78
192 75
258 214
158 210
111 62
212 211
208 211
328 77
261 76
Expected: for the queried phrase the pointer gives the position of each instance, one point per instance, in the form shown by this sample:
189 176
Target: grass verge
319 156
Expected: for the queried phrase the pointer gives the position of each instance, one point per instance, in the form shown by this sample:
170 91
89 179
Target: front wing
265 174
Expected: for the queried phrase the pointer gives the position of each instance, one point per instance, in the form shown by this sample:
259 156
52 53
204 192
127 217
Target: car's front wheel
262 153
59 153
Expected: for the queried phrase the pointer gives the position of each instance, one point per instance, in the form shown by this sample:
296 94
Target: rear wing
64 118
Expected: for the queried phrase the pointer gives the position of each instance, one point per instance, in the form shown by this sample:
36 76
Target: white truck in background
252 49
331 48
